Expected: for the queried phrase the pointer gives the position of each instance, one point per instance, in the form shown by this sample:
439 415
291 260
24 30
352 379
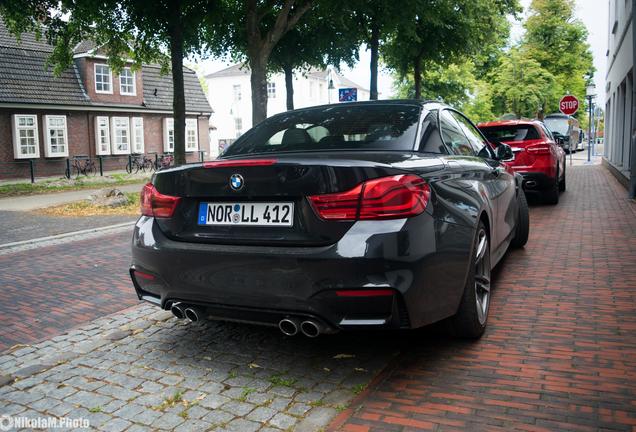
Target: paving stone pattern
142 369
18 226
560 349
47 290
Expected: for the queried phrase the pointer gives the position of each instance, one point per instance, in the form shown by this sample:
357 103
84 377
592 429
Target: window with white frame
271 90
120 131
56 136
192 135
238 125
237 92
127 82
137 135
168 134
25 137
103 79
102 136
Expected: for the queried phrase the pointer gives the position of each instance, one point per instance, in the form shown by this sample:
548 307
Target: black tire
129 167
522 230
472 315
562 181
551 195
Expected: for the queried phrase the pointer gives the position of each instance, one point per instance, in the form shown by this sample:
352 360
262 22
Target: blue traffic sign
347 94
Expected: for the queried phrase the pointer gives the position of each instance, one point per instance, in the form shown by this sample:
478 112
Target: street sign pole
589 130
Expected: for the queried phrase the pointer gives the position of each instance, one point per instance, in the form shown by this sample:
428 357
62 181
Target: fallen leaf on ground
343 356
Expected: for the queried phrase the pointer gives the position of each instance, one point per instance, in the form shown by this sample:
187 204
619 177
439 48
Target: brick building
88 110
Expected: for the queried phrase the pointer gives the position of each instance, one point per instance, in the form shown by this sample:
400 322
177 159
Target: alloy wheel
482 276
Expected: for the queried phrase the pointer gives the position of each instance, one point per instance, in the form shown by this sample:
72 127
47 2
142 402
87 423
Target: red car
538 157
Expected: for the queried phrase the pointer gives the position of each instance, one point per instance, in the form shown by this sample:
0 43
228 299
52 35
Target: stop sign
568 105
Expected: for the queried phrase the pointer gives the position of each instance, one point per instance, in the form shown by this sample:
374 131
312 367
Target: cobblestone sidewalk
142 369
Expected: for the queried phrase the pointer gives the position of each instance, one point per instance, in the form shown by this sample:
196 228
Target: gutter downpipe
632 171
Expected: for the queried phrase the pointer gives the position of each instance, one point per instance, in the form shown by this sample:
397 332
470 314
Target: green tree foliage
440 32
323 37
376 21
521 86
557 41
141 30
250 32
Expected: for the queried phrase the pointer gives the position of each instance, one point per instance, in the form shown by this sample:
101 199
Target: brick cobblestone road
560 349
48 290
559 353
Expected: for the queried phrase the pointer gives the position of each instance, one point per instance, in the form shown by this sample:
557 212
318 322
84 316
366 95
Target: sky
593 13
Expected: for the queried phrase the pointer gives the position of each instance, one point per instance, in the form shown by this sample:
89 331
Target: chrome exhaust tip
177 311
288 327
193 314
310 328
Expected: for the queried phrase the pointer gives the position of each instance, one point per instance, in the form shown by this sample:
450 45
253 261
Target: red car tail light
239 163
338 206
538 149
156 204
392 197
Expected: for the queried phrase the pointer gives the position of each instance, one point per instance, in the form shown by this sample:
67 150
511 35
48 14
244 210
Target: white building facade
229 93
619 85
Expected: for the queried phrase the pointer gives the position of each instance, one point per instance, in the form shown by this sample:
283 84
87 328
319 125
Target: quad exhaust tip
310 328
288 326
193 314
177 310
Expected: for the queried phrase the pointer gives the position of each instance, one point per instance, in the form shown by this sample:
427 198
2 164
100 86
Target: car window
430 139
523 132
547 132
333 127
476 141
453 135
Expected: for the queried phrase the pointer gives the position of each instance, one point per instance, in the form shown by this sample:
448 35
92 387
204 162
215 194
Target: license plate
256 214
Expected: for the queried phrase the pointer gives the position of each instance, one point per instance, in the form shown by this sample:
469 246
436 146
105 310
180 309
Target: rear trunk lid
281 178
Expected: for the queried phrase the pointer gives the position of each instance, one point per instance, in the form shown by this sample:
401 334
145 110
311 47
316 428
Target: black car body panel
252 274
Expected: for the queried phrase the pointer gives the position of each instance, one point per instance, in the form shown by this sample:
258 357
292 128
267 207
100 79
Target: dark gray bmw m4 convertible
383 214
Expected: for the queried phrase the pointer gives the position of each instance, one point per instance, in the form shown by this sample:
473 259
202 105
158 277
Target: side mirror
504 153
560 141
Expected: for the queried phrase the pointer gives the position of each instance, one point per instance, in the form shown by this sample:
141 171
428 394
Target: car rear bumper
536 181
395 274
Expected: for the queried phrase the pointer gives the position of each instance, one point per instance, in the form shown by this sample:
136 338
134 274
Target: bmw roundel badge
236 182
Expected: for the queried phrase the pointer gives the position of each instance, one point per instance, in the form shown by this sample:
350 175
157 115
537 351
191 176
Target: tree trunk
258 80
178 96
374 44
417 77
289 86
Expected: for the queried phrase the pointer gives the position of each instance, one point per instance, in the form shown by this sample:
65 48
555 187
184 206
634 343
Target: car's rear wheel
472 315
562 181
551 195
522 230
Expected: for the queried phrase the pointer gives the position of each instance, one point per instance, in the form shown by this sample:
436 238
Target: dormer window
127 82
103 79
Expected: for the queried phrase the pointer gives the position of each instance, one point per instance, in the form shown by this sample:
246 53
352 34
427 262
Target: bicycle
139 162
81 165
165 161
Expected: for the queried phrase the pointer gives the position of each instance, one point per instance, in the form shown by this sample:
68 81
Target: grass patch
171 401
85 208
358 388
282 381
96 409
63 184
246 392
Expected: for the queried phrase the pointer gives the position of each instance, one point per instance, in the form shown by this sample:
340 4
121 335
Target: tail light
156 204
538 149
392 197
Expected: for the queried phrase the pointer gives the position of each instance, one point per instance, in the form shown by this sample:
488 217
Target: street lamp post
590 93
